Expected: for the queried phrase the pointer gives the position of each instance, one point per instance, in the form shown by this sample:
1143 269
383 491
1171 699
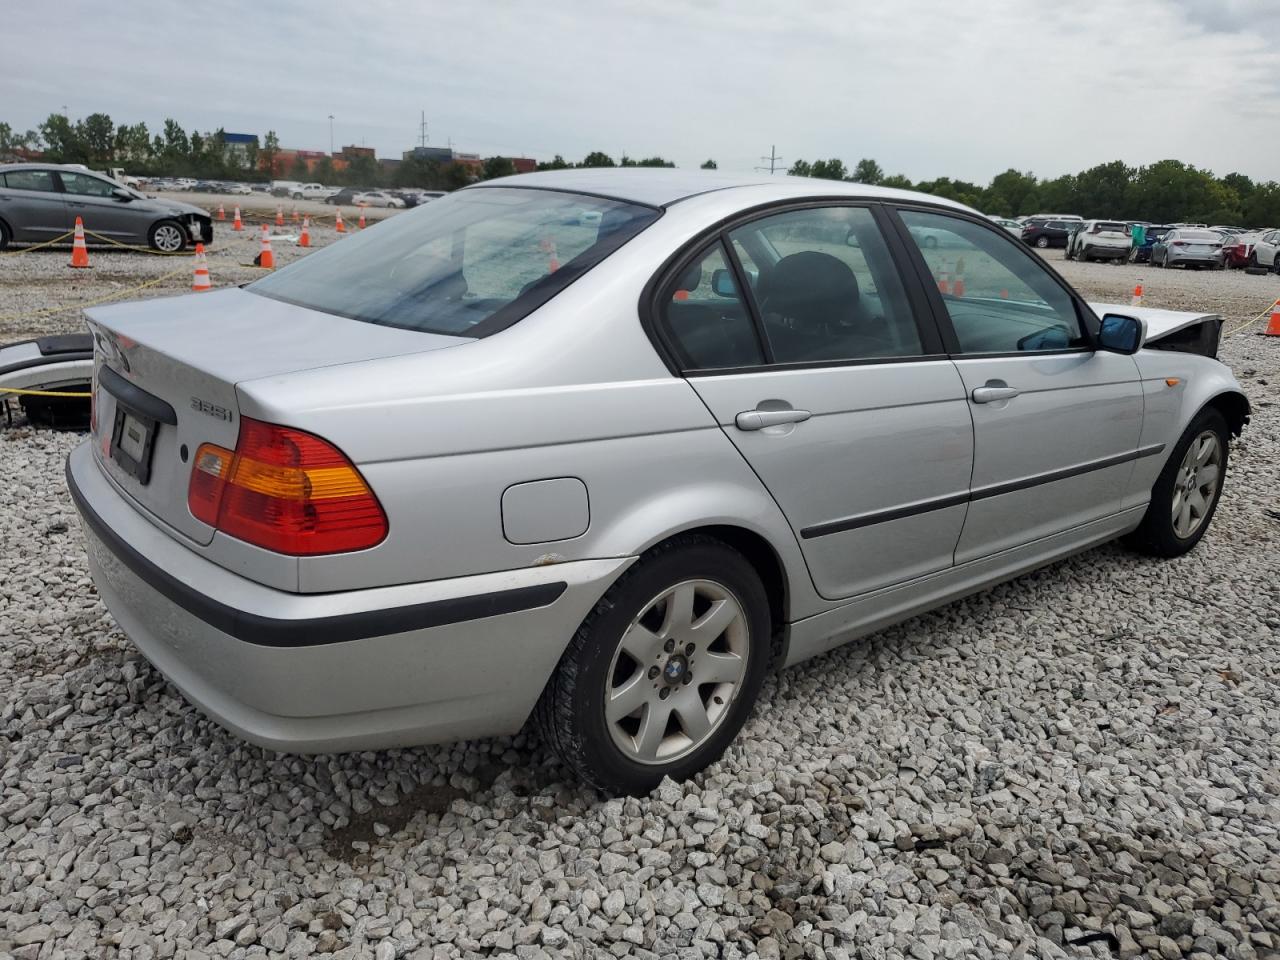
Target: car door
32 206
827 374
1056 424
93 199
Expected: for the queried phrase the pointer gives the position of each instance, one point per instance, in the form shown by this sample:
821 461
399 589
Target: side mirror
1121 334
722 283
120 193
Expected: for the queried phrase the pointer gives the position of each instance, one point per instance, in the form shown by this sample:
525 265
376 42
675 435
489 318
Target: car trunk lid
166 372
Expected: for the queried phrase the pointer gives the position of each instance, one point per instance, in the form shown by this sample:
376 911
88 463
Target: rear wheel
4 235
1042 242
1275 266
167 236
662 674
1185 496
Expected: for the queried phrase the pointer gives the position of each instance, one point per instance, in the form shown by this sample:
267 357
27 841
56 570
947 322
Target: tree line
1166 191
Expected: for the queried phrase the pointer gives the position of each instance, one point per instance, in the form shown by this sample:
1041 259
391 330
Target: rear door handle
994 390
759 419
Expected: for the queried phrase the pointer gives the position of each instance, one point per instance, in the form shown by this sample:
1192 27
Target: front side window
468 264
39 180
999 298
86 186
825 286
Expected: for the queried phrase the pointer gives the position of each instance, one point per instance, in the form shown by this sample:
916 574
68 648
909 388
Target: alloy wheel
1196 485
168 238
676 672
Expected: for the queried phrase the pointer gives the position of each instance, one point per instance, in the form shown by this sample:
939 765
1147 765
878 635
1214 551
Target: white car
1266 250
376 198
240 189
1100 240
312 191
1013 226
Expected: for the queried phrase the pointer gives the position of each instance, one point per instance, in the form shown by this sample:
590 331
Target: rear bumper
365 669
1105 252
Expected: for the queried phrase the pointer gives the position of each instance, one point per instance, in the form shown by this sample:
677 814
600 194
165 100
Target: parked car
1100 240
1265 251
1048 233
1051 216
239 189
344 197
313 191
485 488
40 201
1142 253
377 198
1013 226
1188 247
284 188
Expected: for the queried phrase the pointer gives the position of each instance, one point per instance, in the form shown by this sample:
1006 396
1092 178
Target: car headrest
810 288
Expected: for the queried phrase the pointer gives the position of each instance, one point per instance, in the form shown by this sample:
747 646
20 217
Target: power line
773 159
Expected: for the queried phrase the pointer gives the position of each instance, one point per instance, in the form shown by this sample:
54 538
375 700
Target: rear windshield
1198 235
1111 228
468 264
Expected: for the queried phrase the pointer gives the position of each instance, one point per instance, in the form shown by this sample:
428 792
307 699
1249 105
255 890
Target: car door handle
994 390
759 419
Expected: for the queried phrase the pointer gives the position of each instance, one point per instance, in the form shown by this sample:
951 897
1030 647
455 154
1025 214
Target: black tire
1275 266
161 230
297 196
571 711
1156 536
1042 243
4 235
1253 259
930 243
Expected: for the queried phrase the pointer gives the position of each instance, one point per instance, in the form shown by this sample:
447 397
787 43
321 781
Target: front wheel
1185 496
1276 266
664 671
4 235
167 236
1042 243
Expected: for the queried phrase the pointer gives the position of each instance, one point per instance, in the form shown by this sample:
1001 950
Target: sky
926 88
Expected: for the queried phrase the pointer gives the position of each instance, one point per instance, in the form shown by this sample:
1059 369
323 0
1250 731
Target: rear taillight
285 490
1178 243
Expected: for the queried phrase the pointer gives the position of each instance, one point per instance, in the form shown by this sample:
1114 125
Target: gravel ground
1083 762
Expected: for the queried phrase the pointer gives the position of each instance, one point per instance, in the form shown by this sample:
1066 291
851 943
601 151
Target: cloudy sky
928 89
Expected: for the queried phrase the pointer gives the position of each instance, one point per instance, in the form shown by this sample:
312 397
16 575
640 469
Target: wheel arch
1234 407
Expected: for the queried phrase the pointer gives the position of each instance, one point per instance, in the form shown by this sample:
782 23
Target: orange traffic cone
361 217
1136 299
957 288
339 225
222 214
279 215
1273 325
304 239
944 280
236 224
200 280
266 259
79 252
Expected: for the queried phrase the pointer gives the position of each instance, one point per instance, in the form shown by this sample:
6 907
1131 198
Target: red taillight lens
287 491
1178 243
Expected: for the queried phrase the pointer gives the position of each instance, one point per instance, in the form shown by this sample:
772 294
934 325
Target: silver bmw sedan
596 450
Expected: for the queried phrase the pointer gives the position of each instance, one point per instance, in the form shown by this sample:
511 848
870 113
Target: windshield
468 264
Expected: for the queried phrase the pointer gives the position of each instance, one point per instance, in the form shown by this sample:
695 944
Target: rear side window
705 316
86 186
468 264
41 180
999 298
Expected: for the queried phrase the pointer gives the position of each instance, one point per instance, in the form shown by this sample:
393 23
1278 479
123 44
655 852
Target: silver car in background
1188 247
40 201
499 461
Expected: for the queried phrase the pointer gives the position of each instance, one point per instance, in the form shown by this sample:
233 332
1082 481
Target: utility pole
773 159
422 129
331 134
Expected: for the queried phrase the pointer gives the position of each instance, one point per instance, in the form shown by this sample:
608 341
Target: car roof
72 167
662 187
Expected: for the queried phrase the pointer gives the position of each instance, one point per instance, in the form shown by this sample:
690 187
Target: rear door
94 200
828 376
32 206
1056 424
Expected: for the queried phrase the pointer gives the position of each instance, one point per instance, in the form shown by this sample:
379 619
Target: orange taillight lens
287 491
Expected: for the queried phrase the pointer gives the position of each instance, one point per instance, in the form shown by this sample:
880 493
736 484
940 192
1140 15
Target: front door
93 199
32 206
804 344
1056 423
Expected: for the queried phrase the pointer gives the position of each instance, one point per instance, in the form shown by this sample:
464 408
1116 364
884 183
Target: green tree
801 168
555 163
896 180
62 141
867 171
497 167
99 135
1104 191
709 165
267 155
1011 194
456 175
323 172
300 170
363 171
1262 206
14 144
597 158
832 169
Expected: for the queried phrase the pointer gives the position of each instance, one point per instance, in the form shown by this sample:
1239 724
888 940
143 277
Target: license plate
131 442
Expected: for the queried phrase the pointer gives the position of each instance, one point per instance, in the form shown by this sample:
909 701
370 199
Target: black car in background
344 196
1048 233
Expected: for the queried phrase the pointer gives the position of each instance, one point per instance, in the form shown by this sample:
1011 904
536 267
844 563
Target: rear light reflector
287 491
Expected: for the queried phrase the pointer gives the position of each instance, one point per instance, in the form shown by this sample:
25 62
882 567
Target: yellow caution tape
154 253
37 246
44 393
1249 323
51 311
